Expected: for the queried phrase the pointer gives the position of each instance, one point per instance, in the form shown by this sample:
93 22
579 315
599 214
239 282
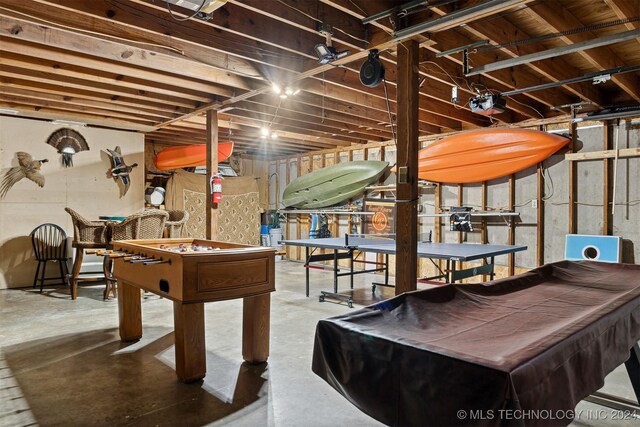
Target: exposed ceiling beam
500 30
561 19
116 51
550 53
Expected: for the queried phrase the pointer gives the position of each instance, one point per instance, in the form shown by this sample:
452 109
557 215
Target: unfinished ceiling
141 65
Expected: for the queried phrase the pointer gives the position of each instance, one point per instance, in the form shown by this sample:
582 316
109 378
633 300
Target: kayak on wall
185 156
481 155
333 184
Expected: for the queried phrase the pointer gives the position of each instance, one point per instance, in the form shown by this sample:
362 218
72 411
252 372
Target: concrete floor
62 364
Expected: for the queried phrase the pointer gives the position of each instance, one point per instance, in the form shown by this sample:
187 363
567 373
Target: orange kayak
481 155
185 156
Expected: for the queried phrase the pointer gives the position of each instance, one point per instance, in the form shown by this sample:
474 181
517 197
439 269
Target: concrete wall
84 187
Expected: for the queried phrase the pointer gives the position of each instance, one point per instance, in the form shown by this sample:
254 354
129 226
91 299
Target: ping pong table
345 248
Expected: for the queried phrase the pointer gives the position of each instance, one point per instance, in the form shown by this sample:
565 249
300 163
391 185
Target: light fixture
276 88
206 6
68 123
487 104
8 111
274 135
264 132
327 53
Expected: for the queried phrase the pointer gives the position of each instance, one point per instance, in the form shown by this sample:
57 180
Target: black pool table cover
540 341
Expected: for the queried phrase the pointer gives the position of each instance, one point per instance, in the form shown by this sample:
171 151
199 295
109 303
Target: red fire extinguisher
216 188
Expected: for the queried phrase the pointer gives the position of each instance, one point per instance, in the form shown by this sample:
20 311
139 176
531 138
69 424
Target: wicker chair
86 235
175 226
147 224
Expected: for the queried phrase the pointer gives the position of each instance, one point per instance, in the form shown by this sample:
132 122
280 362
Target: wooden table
189 279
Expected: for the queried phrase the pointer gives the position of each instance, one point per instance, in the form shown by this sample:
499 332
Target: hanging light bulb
264 132
274 135
276 88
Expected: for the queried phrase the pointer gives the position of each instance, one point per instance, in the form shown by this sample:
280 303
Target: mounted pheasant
27 167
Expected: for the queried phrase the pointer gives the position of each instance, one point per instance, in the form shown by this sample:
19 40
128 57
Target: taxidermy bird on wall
119 169
27 167
68 142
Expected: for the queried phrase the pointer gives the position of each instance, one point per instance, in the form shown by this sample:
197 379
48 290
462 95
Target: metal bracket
465 62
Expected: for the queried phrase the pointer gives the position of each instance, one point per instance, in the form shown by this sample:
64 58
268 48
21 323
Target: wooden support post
512 224
299 253
540 186
540 216
407 181
212 168
573 188
460 201
287 224
484 238
607 187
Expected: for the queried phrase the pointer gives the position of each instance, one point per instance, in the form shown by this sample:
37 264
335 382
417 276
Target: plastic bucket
275 235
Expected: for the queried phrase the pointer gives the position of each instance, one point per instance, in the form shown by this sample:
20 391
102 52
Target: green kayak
333 184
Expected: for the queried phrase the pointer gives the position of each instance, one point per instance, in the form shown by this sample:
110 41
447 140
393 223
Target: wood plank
212 167
573 187
512 224
540 215
604 154
608 180
499 30
88 86
123 70
55 89
115 51
407 157
560 19
52 114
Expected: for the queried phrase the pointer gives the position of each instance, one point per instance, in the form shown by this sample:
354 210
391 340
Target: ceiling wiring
525 105
320 21
207 36
386 97
188 17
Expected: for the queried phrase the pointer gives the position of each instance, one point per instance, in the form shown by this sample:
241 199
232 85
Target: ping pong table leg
335 270
386 269
492 274
451 271
351 267
306 254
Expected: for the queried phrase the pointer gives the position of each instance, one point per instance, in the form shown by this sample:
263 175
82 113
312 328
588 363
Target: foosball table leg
255 328
191 358
130 312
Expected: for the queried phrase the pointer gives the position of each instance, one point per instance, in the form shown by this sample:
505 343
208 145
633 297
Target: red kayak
184 156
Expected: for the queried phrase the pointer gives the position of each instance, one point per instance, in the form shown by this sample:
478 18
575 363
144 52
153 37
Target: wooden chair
147 224
50 244
175 225
86 235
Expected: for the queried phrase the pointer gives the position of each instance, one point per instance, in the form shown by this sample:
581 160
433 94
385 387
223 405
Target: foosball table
191 272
